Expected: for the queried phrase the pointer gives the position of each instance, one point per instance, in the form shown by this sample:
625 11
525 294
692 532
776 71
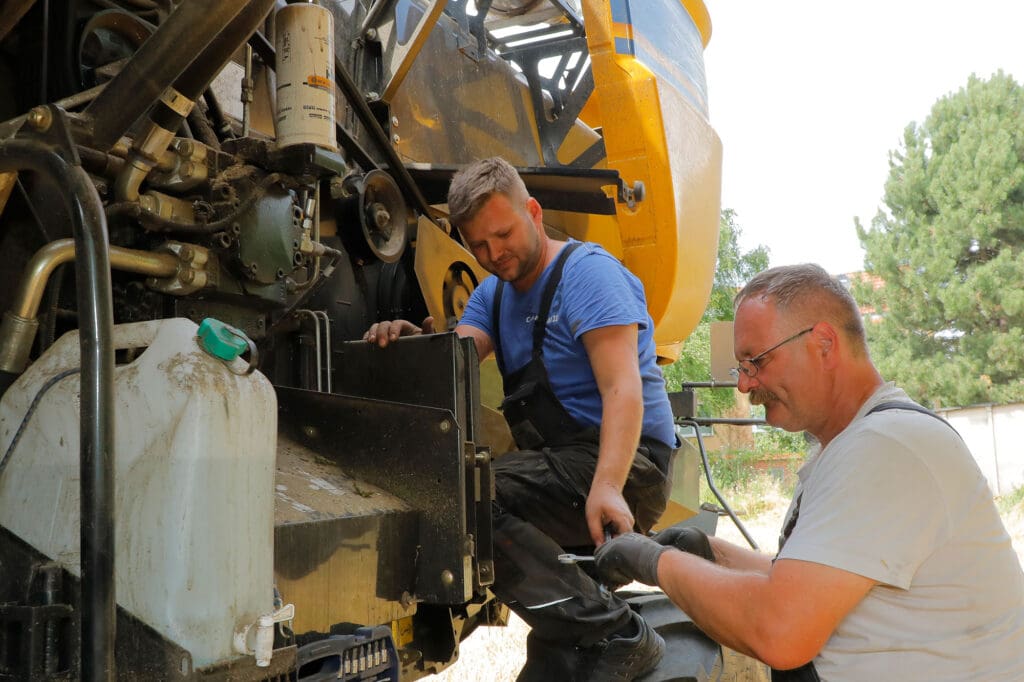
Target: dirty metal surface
412 452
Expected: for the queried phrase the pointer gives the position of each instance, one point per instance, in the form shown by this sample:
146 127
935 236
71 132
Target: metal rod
327 342
247 92
96 316
316 342
728 421
708 384
711 483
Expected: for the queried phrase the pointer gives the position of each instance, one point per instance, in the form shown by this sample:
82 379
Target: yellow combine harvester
192 191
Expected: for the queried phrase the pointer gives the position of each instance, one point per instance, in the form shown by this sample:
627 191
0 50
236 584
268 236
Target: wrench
575 558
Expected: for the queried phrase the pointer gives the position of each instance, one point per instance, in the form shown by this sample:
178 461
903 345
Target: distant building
868 311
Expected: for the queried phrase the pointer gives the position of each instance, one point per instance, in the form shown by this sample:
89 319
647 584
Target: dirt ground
497 654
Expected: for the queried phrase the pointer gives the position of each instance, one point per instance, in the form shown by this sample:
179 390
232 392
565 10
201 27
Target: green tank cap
221 340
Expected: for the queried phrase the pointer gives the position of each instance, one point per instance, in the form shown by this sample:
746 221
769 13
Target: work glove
629 557
688 539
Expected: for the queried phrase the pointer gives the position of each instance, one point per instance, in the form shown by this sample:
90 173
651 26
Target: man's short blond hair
476 183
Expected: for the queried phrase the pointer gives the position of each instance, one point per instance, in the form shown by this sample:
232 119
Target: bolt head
40 118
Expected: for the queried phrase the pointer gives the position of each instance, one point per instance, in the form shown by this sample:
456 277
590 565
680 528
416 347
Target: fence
995 435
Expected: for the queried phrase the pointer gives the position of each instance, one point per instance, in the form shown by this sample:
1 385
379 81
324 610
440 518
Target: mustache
761 396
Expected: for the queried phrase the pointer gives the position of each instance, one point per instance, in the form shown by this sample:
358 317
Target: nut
40 118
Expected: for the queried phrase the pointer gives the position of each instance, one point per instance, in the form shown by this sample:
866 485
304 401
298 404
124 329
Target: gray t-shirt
897 497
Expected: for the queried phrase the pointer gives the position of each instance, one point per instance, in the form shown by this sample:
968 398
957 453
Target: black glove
688 539
629 557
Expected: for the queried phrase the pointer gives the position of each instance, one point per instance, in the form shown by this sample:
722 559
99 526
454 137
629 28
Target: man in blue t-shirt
586 404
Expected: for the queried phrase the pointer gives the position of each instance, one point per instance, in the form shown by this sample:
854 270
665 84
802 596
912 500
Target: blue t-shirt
595 291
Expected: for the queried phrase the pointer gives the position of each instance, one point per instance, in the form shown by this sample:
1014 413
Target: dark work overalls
807 672
541 492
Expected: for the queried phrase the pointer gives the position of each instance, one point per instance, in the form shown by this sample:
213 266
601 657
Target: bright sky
809 96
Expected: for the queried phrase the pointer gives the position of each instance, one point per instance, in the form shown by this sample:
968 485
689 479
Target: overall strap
496 325
881 407
540 324
905 405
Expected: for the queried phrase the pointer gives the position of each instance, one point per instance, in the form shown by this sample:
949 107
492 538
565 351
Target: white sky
809 96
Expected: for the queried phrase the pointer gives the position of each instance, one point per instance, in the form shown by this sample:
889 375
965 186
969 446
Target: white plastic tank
305 76
195 456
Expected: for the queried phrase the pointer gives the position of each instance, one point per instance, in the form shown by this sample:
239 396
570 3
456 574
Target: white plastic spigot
263 646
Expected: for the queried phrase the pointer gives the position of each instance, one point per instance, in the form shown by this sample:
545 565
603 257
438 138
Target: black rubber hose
96 318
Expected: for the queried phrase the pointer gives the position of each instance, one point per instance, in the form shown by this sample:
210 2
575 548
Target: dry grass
497 654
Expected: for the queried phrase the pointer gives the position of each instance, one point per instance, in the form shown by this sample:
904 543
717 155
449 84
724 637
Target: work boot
625 658
547 660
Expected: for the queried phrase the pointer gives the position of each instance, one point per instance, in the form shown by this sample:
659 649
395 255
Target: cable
50 383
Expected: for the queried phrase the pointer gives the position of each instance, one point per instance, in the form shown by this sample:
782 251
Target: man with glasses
893 561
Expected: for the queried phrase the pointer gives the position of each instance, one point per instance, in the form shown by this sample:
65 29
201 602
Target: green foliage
733 269
694 364
749 490
948 248
1007 502
772 440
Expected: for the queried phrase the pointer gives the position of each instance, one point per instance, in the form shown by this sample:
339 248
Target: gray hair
807 291
476 183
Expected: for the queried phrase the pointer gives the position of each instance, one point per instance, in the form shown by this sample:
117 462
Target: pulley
382 214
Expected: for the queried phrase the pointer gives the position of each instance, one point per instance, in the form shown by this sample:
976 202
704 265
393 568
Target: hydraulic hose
96 321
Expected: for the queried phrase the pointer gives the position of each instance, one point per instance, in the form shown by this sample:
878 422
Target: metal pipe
96 322
11 126
316 342
327 339
247 86
727 421
53 255
711 483
160 61
709 384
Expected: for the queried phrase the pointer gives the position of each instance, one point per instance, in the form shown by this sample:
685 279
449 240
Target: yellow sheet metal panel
647 58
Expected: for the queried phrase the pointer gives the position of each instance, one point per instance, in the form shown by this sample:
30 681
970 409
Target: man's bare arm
614 361
782 617
384 332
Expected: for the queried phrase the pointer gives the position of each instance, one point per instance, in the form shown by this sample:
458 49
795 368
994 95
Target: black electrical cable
50 383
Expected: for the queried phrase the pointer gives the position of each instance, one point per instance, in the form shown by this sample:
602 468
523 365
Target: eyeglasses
750 366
